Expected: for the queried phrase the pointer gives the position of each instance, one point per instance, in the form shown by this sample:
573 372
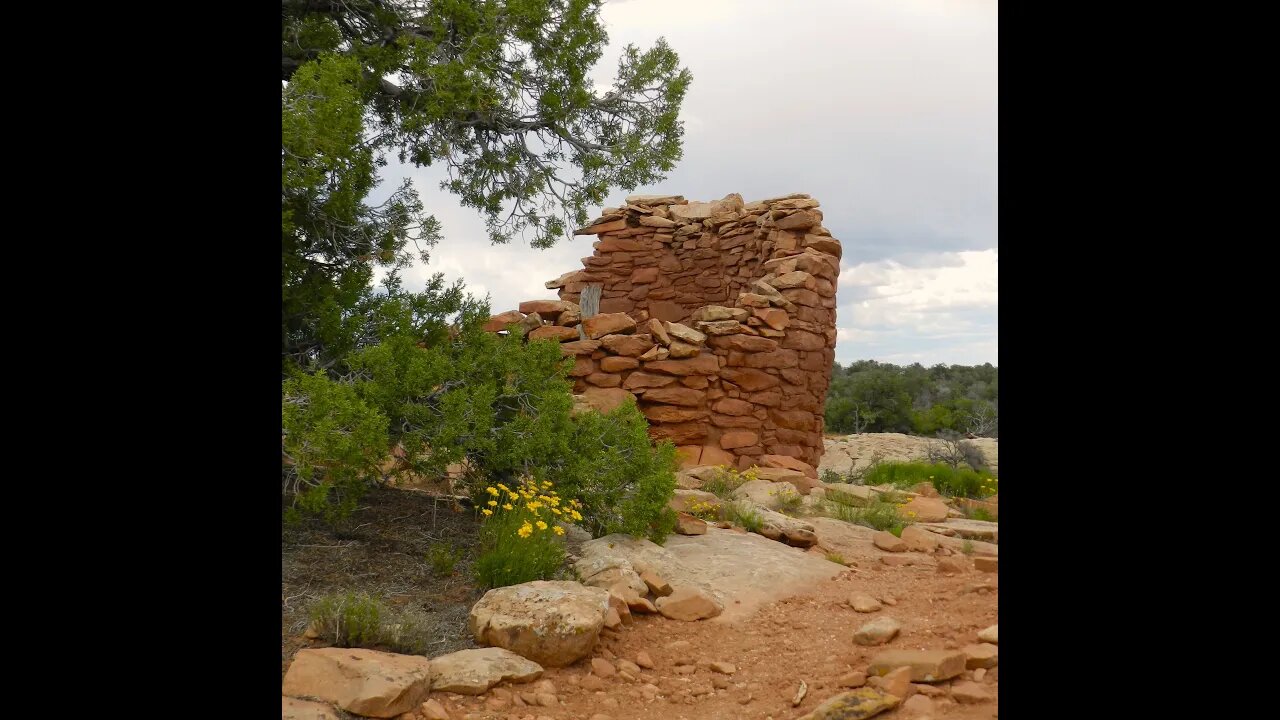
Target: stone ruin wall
719 317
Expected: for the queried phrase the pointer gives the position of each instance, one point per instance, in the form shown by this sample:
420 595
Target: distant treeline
869 396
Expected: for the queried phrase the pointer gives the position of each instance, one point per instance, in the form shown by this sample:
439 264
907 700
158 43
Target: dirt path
807 637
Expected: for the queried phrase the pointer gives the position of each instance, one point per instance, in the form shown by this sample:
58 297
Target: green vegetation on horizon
870 396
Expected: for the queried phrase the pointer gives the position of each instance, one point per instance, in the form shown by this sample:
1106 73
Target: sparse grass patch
443 559
879 515
981 514
831 476
953 482
705 511
362 620
726 480
787 500
836 558
744 516
967 547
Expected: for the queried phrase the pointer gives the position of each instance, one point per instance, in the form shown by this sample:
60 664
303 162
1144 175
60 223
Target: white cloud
884 110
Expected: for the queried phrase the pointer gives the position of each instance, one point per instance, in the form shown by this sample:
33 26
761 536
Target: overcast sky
883 110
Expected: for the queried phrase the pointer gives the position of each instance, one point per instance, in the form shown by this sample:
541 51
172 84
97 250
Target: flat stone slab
965 528
730 565
748 568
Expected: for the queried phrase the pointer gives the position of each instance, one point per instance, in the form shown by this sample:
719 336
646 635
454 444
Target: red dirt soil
807 637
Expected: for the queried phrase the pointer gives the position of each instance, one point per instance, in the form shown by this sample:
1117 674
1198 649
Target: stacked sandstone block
719 317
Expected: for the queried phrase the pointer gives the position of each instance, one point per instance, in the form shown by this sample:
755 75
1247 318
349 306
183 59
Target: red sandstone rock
639 380
502 320
750 380
618 364
675 396
700 365
628 345
597 326
554 332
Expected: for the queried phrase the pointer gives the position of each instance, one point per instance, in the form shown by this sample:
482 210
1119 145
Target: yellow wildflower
555 510
504 487
576 515
486 511
534 505
525 530
506 506
515 496
559 530
541 525
492 491
493 503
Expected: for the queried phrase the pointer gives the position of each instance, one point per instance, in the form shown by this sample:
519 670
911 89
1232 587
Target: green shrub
705 511
744 516
520 537
623 481
967 547
787 500
953 482
836 558
878 515
726 480
443 559
362 620
831 476
982 514
333 442
497 404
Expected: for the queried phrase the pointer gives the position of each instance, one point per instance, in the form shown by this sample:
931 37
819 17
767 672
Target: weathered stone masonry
719 317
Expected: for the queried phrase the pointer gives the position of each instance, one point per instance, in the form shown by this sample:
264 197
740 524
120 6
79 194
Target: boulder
473 672
857 704
364 682
295 709
689 603
926 665
554 623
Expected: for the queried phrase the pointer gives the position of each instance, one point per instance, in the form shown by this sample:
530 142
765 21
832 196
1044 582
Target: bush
497 404
954 482
836 558
623 481
951 449
879 515
520 538
786 500
705 511
744 516
361 620
333 441
726 480
443 559
830 476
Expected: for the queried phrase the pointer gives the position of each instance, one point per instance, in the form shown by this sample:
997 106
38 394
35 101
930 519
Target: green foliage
952 482
362 620
836 558
879 515
622 479
705 511
502 93
869 396
443 559
333 441
726 480
830 476
786 500
744 516
967 547
980 513
520 539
